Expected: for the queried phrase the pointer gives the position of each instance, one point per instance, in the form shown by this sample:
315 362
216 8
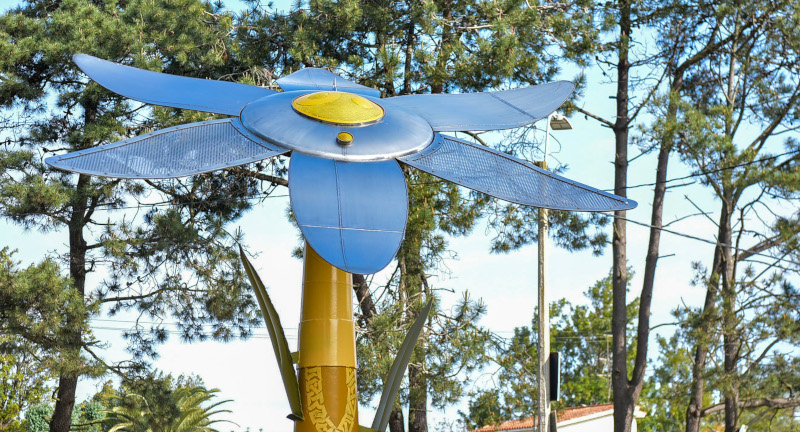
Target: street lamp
559 122
555 121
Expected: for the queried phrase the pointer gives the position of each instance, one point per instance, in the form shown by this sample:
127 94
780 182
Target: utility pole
557 122
544 326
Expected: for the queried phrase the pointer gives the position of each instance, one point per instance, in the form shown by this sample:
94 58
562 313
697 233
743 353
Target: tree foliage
728 121
163 404
719 83
580 333
173 259
86 417
23 381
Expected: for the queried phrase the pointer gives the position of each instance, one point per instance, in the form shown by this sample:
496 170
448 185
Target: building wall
596 424
601 424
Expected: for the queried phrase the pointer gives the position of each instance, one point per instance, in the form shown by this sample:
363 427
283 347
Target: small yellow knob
344 138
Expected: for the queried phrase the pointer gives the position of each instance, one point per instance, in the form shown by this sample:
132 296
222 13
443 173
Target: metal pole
543 346
327 349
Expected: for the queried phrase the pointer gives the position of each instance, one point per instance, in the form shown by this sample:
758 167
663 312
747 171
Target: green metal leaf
278 338
365 429
392 383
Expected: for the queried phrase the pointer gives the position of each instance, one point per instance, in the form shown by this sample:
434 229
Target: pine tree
744 173
687 34
172 259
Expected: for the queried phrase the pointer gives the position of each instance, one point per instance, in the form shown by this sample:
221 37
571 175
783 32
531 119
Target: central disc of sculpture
337 125
339 108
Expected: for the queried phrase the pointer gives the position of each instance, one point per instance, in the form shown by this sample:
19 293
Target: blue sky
245 371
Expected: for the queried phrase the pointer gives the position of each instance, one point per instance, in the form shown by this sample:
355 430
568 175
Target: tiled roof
563 415
578 412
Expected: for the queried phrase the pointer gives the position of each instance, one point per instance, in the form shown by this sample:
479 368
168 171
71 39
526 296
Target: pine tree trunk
417 400
437 86
722 270
409 54
68 380
623 414
651 259
65 402
388 84
732 396
396 421
364 298
730 341
648 283
694 411
729 322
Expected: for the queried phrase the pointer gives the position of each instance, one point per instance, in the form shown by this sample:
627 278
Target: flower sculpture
346 187
347 191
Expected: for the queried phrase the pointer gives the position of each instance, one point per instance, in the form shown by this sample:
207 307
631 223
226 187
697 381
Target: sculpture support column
327 349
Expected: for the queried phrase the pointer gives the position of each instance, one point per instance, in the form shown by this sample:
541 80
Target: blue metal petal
221 97
322 79
502 176
487 111
172 152
352 213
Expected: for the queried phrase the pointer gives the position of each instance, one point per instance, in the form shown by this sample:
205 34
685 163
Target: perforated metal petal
486 111
221 97
173 152
352 213
505 177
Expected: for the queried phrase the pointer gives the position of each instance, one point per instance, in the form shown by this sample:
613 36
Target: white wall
598 424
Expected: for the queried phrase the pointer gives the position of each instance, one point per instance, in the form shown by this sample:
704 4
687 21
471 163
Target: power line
110 207
697 174
673 232
566 334
261 195
704 173
254 335
265 195
168 323
260 335
692 237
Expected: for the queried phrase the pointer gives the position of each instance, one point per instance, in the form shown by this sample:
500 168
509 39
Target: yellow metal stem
327 347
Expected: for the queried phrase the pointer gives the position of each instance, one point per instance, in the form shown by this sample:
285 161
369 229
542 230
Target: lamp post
555 121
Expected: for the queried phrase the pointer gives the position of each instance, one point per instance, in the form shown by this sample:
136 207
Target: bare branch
777 403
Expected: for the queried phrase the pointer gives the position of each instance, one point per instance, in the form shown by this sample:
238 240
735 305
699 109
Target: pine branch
594 116
261 176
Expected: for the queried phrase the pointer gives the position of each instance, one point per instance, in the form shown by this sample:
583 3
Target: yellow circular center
338 108
344 138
